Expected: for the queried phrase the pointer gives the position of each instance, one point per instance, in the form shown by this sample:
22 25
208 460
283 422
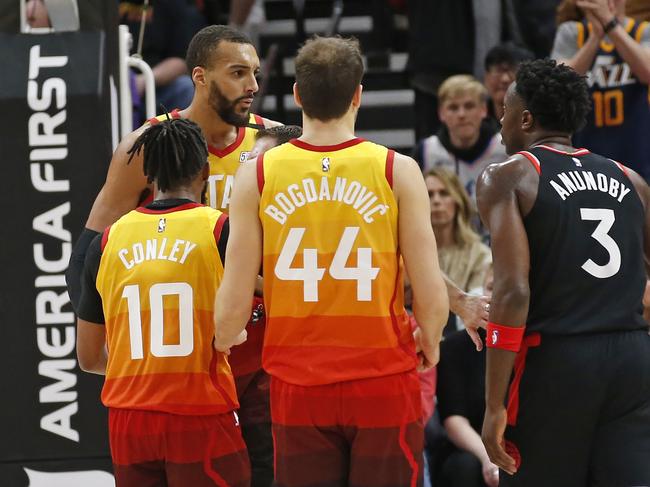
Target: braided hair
174 152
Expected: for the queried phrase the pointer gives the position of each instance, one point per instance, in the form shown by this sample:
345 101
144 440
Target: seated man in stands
465 144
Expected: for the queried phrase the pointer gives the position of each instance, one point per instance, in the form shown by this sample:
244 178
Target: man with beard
223 64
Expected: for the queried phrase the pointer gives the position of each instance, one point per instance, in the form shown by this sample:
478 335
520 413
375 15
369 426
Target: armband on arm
504 337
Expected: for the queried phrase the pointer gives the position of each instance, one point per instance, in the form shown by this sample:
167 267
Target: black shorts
583 413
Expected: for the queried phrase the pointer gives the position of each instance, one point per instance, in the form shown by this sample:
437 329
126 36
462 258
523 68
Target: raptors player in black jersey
569 231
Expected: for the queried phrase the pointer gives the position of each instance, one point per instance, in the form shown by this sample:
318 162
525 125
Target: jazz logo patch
325 164
162 224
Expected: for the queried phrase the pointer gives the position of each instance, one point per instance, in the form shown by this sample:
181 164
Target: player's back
585 234
332 282
158 275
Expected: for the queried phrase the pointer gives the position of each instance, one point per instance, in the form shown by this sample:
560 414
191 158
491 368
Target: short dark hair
175 152
281 133
328 71
507 53
205 42
556 96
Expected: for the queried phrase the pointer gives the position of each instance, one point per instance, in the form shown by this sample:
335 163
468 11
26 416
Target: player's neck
332 132
558 141
184 193
217 133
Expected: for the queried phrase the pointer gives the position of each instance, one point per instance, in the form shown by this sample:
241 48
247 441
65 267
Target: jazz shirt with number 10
157 278
333 287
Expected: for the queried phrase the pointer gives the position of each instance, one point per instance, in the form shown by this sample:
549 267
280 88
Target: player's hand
225 348
428 351
490 474
475 313
596 25
494 426
598 8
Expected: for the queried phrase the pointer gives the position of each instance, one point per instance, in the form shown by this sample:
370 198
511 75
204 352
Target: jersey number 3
606 219
310 273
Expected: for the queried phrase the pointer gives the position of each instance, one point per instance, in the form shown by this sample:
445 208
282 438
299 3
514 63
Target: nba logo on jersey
325 164
162 224
577 161
243 156
495 337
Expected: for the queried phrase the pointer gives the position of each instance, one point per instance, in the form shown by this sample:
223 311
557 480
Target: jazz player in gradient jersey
145 321
223 65
330 216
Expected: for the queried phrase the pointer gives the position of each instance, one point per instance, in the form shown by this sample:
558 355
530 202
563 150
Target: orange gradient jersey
225 162
158 276
333 288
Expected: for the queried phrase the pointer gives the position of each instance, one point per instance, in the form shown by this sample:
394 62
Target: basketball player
223 65
569 230
331 214
145 321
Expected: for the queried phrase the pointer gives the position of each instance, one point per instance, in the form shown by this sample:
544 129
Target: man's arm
123 186
462 435
120 194
565 46
636 55
243 258
91 332
500 212
91 347
473 310
418 247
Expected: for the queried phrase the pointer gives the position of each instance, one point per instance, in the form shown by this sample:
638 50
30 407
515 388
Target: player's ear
527 120
296 95
356 98
198 75
205 172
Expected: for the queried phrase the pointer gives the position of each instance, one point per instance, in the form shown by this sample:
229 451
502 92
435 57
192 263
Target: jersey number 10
157 292
608 108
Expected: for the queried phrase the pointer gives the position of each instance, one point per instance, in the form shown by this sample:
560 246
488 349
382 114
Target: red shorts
365 432
153 448
246 358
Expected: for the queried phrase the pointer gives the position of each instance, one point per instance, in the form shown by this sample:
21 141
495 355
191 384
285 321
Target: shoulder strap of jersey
583 33
105 237
390 159
260 172
533 160
173 114
219 226
638 30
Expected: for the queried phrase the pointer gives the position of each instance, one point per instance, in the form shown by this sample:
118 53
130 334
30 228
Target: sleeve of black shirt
90 305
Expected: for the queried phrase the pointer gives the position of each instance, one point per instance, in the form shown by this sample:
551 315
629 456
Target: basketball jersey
585 234
225 162
619 122
333 288
158 275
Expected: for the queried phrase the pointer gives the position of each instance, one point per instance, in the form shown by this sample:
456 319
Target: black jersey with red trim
585 234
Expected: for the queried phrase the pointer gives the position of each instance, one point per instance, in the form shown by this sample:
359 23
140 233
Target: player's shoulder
265 122
501 178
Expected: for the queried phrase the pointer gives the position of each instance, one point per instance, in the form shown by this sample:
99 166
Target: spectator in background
449 37
597 39
462 460
465 144
169 27
268 138
501 64
536 21
463 258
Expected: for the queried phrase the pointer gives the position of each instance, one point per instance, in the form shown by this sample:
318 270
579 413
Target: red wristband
504 337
